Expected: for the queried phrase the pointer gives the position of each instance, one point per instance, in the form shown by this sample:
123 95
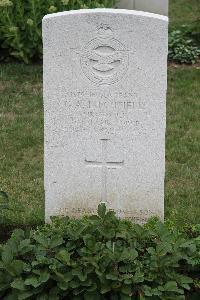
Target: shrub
183 47
20 24
99 257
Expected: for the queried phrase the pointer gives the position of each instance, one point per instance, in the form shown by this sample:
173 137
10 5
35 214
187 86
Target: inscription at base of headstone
104 112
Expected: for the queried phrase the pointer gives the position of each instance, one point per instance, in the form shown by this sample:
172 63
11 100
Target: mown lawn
182 189
183 11
21 141
21 144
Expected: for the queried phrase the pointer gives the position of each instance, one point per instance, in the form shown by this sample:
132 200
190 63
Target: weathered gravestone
104 102
154 6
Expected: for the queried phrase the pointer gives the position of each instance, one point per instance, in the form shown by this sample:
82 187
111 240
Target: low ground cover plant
184 44
100 257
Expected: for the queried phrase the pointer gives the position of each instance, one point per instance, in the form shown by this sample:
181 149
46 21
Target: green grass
21 144
182 192
21 141
183 11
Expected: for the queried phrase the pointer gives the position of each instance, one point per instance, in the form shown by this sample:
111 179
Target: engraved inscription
104 164
138 216
108 112
104 59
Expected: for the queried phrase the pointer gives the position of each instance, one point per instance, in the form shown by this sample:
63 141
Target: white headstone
104 103
154 6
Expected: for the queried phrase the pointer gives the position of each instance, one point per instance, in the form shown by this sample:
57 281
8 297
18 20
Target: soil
174 65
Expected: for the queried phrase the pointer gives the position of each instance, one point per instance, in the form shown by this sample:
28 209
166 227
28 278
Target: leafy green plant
182 46
21 24
99 257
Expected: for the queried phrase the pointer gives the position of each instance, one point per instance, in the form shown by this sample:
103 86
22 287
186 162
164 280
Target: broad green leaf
101 210
18 284
33 281
15 268
68 276
7 255
79 273
95 218
18 266
163 248
42 240
138 276
89 241
74 283
64 256
25 246
129 254
184 279
56 241
147 291
44 276
171 286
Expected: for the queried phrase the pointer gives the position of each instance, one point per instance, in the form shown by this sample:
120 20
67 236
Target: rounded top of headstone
105 11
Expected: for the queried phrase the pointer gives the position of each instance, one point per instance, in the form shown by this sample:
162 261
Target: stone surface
104 104
153 6
125 4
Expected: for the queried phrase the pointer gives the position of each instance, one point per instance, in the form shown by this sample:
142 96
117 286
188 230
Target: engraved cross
104 164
